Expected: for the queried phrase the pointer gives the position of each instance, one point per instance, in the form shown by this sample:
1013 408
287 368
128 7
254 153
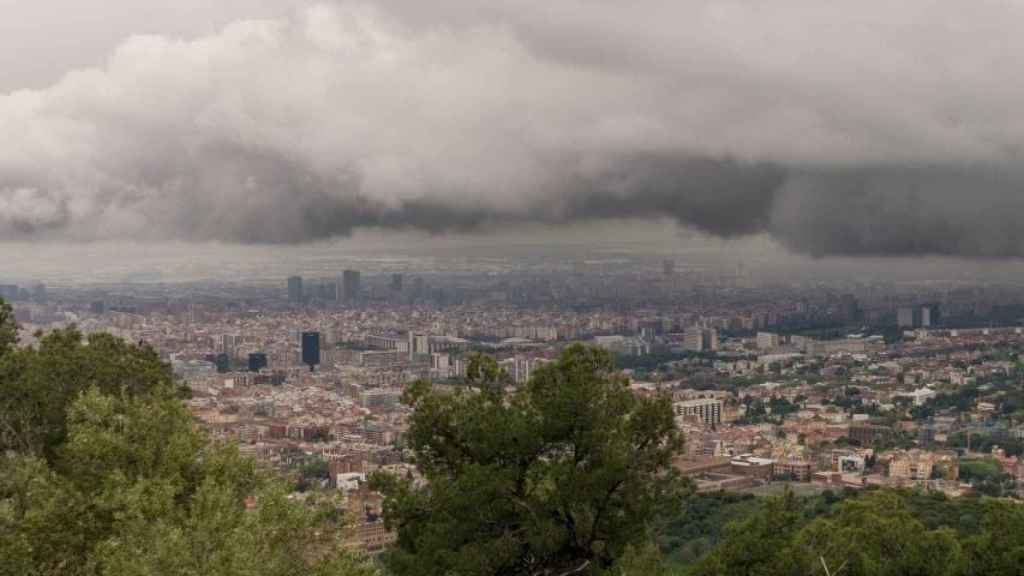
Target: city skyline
511 287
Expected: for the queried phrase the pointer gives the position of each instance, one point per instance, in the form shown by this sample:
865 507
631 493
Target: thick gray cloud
40 40
867 129
902 211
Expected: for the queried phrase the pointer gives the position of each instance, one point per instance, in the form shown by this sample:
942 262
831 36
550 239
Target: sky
860 129
41 40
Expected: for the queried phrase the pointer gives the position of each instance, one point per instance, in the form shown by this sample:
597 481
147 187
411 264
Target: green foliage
564 474
985 442
999 548
962 399
936 510
705 521
643 560
758 545
987 476
136 490
8 328
129 486
687 536
875 536
979 469
311 472
38 384
875 533
775 410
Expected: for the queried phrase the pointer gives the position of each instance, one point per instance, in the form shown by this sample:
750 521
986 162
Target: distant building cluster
786 383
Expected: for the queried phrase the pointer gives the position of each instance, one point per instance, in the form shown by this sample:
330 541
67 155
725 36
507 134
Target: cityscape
818 386
511 288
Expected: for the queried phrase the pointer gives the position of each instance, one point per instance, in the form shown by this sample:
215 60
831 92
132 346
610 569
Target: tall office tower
693 340
711 339
350 285
396 282
648 329
418 344
295 289
311 349
230 343
668 267
701 340
257 361
908 317
223 362
929 315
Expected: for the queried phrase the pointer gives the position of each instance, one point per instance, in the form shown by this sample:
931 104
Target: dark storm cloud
892 135
251 196
720 197
908 211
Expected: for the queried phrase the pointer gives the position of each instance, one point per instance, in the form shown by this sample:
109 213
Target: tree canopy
566 474
8 328
103 472
41 382
877 533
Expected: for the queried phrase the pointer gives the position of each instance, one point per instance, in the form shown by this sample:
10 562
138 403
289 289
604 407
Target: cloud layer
868 129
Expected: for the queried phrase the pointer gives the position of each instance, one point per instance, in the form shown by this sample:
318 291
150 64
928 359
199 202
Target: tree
38 384
126 484
643 561
999 548
759 545
875 536
688 535
136 490
312 471
874 533
561 476
8 328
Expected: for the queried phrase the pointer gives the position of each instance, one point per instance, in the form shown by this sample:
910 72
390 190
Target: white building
697 340
919 396
767 341
707 410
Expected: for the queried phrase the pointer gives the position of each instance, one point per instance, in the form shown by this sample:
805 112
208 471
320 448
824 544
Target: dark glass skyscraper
223 362
311 349
257 361
350 281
